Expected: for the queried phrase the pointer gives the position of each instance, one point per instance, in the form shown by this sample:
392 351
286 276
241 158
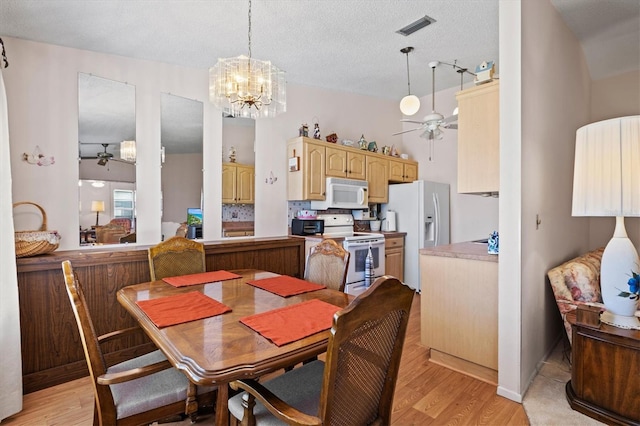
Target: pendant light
247 87
410 104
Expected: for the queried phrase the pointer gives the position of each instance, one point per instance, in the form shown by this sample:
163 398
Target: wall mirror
238 176
107 155
181 138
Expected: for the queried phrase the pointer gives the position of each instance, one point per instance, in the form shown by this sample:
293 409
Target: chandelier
247 87
128 151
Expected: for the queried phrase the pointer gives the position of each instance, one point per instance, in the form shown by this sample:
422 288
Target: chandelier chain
408 79
249 29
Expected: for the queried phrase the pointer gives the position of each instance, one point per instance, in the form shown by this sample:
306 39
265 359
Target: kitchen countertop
473 251
393 234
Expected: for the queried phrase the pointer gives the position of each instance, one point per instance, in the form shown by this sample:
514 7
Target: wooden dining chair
137 391
176 256
356 384
327 264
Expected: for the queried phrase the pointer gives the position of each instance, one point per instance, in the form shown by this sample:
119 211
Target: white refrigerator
422 211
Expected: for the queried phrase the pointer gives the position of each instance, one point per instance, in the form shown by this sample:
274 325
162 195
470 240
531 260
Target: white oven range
357 244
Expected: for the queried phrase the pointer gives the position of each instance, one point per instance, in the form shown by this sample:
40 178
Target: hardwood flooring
426 394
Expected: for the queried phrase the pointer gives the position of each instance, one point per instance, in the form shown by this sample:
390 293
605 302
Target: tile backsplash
237 213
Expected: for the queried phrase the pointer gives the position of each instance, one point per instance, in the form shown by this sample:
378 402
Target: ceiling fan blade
406 120
406 131
451 118
453 126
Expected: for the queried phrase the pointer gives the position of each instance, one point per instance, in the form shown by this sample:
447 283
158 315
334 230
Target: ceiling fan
103 156
433 123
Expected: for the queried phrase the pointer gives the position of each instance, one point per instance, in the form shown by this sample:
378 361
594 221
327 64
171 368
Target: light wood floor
426 394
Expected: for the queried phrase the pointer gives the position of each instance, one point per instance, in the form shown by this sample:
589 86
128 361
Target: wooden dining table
220 349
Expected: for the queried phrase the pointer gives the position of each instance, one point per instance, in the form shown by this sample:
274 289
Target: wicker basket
33 243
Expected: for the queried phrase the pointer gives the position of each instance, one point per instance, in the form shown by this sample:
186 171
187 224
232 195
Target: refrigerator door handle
436 205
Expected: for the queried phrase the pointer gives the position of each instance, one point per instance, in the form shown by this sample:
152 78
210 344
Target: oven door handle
372 243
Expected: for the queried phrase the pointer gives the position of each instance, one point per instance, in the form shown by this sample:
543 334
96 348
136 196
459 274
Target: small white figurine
232 154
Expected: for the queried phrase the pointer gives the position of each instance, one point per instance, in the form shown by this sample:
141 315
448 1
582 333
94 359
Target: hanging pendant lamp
410 104
247 87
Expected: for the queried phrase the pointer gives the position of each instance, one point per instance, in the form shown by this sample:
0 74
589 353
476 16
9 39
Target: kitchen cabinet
459 308
311 161
306 179
402 171
394 256
479 139
378 178
341 162
238 233
238 183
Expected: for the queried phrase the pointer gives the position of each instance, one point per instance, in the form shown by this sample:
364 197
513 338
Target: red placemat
201 278
172 310
285 285
291 323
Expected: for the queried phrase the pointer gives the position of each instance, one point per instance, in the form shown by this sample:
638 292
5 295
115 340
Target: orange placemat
172 310
291 323
285 285
201 278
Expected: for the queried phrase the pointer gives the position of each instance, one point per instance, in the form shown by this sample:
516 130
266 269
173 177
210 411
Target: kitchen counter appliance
357 243
307 226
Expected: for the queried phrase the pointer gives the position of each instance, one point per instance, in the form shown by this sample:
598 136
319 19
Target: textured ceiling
346 45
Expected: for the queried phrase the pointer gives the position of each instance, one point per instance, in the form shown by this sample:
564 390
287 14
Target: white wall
555 102
42 93
181 185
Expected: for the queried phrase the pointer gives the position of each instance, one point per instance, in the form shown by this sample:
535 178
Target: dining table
217 350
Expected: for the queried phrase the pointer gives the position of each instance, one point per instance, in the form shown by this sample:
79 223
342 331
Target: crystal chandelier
128 151
247 87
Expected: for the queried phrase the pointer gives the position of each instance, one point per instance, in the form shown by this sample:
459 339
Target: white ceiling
344 45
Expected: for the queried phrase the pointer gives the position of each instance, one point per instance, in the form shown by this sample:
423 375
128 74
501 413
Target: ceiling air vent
415 26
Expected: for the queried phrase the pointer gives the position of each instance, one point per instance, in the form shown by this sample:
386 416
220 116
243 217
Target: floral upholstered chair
577 282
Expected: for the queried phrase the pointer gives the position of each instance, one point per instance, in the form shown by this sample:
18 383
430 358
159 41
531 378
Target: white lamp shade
97 206
410 104
606 179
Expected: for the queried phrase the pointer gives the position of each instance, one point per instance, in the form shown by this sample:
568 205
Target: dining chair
137 391
327 264
176 256
356 384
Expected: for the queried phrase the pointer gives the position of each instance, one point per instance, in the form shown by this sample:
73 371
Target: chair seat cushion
149 392
299 388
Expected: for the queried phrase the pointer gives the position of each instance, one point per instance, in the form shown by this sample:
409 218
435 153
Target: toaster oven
307 226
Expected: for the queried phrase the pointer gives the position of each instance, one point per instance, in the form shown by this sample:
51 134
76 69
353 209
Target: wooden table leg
222 405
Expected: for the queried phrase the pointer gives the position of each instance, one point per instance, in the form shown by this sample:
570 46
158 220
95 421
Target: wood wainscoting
51 347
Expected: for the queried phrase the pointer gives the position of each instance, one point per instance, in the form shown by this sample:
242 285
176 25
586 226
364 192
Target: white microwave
344 194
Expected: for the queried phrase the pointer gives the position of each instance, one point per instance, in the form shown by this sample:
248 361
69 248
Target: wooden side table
605 372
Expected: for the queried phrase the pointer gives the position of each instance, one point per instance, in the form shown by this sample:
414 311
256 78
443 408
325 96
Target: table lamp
606 182
97 206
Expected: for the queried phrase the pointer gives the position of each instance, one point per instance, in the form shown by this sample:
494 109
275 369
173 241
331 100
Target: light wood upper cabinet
308 181
311 161
402 171
479 139
378 179
238 183
347 164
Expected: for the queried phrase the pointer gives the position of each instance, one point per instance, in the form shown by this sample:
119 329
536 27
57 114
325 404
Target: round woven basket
33 243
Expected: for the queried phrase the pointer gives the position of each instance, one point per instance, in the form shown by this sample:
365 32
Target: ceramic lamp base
620 321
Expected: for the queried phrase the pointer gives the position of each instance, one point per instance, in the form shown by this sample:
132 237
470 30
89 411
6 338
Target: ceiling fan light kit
410 104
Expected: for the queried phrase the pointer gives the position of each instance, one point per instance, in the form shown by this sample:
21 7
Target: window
123 204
